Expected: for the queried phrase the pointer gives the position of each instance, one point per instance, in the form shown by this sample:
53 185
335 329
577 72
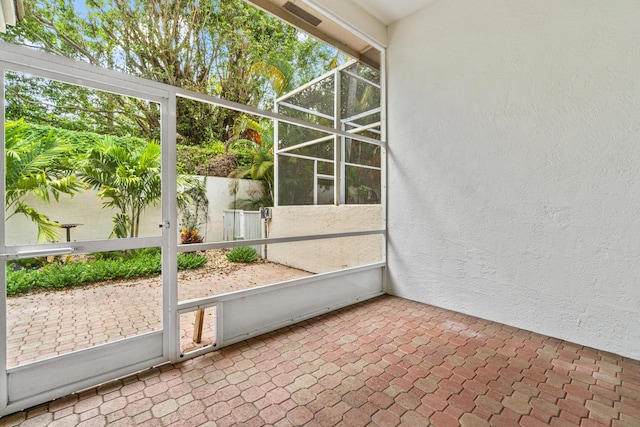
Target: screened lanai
138 324
508 239
233 315
309 163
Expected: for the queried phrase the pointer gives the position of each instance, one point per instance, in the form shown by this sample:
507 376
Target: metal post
170 317
383 160
338 196
276 144
315 182
3 264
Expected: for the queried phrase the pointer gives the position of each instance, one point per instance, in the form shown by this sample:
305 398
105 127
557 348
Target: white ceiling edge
354 18
390 11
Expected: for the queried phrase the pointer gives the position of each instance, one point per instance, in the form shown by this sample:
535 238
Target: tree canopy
208 47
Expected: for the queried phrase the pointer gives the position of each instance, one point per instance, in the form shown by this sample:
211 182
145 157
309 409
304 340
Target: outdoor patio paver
46 324
383 362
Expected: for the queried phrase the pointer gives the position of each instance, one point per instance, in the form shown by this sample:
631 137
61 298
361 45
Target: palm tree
128 177
36 167
261 167
278 73
245 129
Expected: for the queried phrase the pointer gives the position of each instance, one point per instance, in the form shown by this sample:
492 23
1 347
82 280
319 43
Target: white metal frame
339 134
4 395
42 380
240 315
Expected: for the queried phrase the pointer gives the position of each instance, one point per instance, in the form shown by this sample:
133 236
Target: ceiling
310 20
306 19
390 11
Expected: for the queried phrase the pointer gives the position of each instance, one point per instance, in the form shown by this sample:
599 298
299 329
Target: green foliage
244 156
45 162
63 105
126 255
37 166
260 166
257 199
208 47
27 263
211 159
278 73
195 212
190 261
80 141
242 254
126 265
192 160
111 255
127 177
214 147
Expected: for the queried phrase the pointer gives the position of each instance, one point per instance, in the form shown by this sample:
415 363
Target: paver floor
385 362
48 324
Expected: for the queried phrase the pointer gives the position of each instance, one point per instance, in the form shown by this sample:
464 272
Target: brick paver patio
384 362
47 324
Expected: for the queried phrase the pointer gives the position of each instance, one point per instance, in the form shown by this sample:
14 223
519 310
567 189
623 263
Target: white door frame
33 383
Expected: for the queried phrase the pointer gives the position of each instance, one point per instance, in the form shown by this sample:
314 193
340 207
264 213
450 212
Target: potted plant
195 212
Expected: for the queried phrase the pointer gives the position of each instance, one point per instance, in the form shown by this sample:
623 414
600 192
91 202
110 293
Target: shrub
109 255
128 254
243 254
214 147
27 263
189 261
110 266
193 160
244 156
211 159
220 166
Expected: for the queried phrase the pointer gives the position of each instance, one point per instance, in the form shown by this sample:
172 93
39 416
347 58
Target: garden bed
35 274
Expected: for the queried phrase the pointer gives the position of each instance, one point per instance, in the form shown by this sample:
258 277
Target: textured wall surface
514 166
321 256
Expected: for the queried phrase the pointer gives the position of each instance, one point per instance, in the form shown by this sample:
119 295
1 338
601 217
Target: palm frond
35 165
48 230
279 81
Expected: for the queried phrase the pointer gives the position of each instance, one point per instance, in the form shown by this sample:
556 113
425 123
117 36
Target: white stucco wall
86 208
321 256
514 164
220 199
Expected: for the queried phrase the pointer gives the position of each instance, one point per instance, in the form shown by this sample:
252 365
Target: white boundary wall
320 256
86 208
514 164
220 199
